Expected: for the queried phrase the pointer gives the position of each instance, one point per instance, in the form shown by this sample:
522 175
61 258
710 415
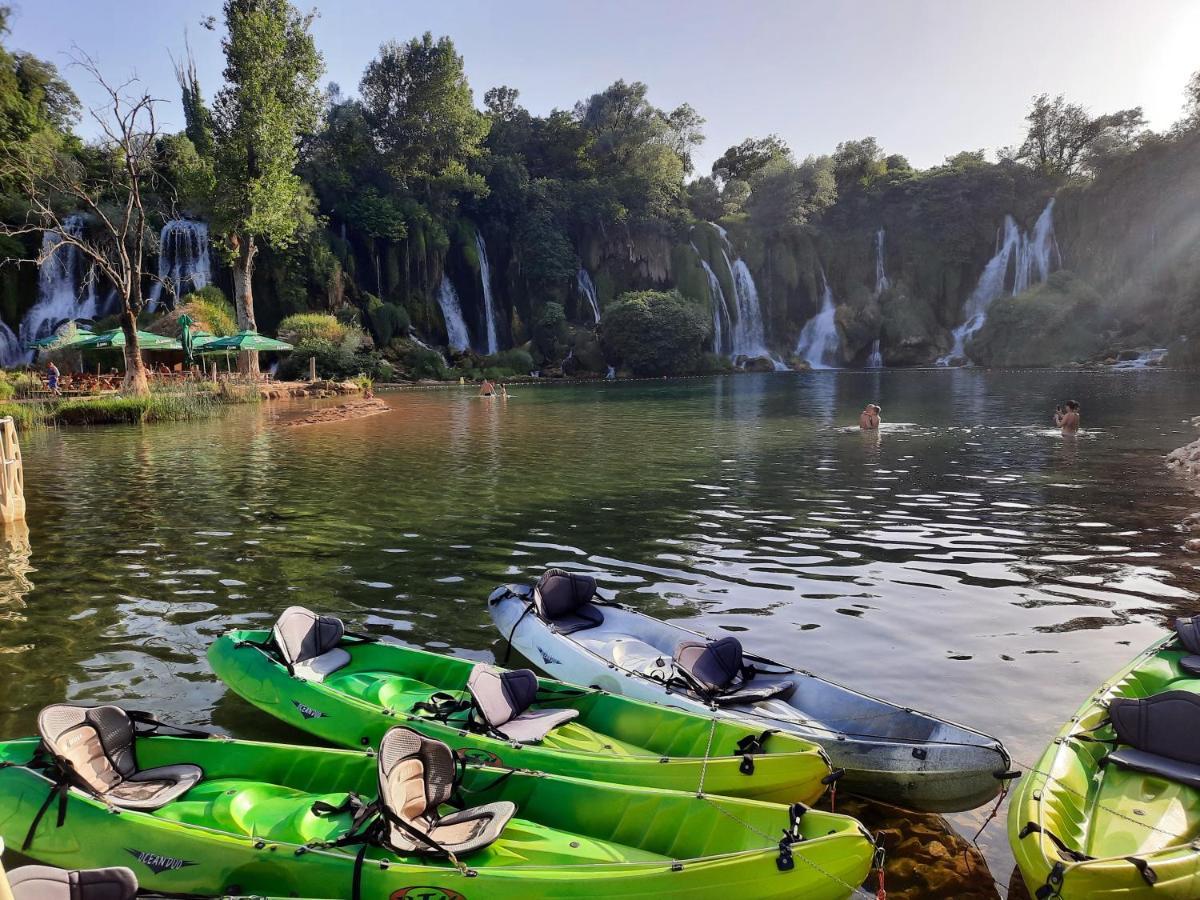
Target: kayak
220 817
1112 809
889 753
562 729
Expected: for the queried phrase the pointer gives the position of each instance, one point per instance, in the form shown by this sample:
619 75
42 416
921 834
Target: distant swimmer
868 419
1066 417
486 389
503 392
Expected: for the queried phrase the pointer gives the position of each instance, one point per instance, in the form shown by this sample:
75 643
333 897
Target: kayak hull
790 770
246 829
1107 812
889 753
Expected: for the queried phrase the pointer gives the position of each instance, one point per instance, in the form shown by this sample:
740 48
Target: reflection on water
973 564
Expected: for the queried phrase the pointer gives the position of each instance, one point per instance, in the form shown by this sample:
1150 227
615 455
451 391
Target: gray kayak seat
1161 735
564 600
1188 630
502 700
717 670
45 883
309 643
96 746
416 776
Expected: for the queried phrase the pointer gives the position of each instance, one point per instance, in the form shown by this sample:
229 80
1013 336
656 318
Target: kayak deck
277 813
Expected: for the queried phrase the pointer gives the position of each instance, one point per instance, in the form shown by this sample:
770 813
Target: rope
704 762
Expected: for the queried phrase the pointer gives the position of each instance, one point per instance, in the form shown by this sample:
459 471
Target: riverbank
1185 462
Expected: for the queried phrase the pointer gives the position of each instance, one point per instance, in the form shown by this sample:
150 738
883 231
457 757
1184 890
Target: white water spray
875 359
819 343
748 339
722 324
183 260
457 335
587 288
881 279
485 277
1030 256
62 294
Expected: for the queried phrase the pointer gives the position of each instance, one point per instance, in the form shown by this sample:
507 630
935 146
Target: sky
927 78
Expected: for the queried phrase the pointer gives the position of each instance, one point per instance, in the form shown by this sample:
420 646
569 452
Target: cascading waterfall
62 295
183 260
748 339
1030 256
881 279
587 288
819 343
11 351
722 325
457 335
485 276
875 360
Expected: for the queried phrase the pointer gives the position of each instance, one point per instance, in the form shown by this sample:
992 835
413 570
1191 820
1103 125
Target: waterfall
819 343
1030 256
11 351
875 360
722 325
485 276
62 295
183 260
583 281
881 279
456 329
748 339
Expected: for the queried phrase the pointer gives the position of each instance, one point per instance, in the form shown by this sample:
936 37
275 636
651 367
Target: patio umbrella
246 340
116 338
185 336
61 341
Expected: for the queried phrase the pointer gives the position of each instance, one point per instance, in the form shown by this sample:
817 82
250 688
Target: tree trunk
135 369
243 294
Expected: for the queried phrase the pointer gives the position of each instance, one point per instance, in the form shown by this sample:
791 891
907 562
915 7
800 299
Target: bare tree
110 182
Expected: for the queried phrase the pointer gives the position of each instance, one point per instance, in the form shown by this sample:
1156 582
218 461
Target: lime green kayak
606 738
276 820
1112 809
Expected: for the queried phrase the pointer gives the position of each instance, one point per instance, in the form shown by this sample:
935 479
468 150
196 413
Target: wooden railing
12 476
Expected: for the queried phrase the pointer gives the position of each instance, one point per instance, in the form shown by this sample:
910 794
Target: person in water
1068 420
486 389
503 392
868 419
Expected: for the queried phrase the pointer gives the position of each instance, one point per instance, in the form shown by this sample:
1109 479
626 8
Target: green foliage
309 328
1063 138
269 100
743 161
422 363
784 194
334 361
1055 322
508 363
550 331
387 320
858 163
656 333
211 310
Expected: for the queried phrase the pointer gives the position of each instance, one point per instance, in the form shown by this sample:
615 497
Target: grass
199 402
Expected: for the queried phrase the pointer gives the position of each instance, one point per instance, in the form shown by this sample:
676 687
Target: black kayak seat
1188 631
717 670
1153 764
564 601
502 700
1160 734
1190 664
46 883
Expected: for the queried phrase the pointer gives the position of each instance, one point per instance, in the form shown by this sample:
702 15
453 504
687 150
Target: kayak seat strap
503 699
417 776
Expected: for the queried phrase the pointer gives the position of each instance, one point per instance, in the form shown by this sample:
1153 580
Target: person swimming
868 419
486 389
1066 417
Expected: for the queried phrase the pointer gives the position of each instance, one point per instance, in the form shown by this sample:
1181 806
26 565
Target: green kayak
1112 809
368 687
220 817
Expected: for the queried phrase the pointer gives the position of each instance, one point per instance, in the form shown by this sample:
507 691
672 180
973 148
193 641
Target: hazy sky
926 77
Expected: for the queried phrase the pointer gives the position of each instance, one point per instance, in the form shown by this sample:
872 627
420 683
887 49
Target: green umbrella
185 336
61 341
116 338
246 340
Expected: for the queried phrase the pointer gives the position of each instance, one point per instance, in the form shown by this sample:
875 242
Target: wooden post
312 368
12 479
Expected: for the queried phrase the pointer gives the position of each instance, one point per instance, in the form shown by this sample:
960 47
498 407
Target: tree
656 333
1191 106
1063 138
858 163
269 101
421 112
113 183
743 161
784 194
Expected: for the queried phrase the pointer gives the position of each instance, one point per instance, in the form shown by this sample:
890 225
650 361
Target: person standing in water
1068 420
868 419
486 389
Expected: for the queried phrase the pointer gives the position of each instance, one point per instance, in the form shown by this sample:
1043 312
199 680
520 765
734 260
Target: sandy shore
354 409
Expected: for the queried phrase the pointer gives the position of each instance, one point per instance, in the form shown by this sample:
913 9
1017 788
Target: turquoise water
974 562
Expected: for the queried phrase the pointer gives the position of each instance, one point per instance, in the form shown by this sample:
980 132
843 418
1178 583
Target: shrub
334 362
387 320
211 310
421 362
304 329
550 331
7 389
656 333
510 362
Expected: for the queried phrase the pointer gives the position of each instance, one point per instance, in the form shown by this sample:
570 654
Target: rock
1110 360
1126 355
1196 421
759 364
1192 545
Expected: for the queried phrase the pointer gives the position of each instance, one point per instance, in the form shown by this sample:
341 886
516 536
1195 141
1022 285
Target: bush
550 331
314 329
212 310
509 362
333 362
656 333
1056 322
422 363
7 389
387 320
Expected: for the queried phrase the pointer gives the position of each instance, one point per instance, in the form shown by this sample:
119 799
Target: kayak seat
1152 764
96 746
1160 735
416 776
1188 631
564 600
1190 664
309 643
717 670
46 883
503 701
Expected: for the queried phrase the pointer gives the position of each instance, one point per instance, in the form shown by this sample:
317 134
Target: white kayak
890 753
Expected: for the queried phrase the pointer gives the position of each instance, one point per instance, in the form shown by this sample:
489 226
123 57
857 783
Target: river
974 563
